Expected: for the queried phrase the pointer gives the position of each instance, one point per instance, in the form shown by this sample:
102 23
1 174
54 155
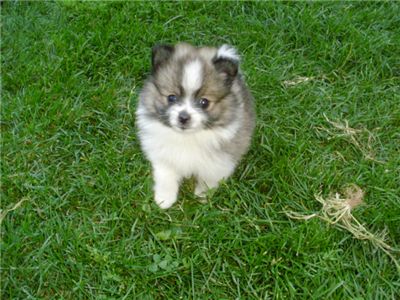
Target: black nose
183 117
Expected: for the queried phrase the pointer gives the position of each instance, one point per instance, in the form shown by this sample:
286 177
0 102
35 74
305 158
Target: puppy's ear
227 67
226 62
160 54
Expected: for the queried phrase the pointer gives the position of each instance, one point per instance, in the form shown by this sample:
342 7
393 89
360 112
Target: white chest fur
191 153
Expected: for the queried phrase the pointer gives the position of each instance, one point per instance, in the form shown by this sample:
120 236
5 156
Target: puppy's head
191 88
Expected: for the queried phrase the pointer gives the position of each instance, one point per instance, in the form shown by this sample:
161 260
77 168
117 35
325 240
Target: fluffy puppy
195 117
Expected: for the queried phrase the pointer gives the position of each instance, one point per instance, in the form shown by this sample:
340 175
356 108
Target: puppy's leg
202 186
209 179
166 185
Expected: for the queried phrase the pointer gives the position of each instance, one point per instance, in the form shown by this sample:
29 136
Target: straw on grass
336 210
4 212
354 136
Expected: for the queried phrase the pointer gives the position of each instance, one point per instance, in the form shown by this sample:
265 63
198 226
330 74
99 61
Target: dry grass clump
4 212
337 210
354 136
297 80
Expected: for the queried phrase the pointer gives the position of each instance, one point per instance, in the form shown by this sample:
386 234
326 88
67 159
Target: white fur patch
196 153
229 52
192 76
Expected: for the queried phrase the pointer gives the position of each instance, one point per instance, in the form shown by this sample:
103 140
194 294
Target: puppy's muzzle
183 118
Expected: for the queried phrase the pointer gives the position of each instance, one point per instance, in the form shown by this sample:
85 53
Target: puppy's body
195 118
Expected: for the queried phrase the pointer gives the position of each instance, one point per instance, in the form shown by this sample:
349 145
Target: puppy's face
190 88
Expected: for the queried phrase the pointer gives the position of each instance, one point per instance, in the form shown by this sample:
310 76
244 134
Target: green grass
88 228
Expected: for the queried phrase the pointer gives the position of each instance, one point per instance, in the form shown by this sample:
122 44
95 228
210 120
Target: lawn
78 220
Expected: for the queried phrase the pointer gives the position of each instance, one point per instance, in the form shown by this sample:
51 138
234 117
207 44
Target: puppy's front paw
201 191
165 196
164 203
166 186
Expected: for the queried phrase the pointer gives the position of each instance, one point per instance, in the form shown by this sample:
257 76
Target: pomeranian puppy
195 117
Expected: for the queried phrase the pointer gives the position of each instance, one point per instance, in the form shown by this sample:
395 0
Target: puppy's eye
172 99
203 102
